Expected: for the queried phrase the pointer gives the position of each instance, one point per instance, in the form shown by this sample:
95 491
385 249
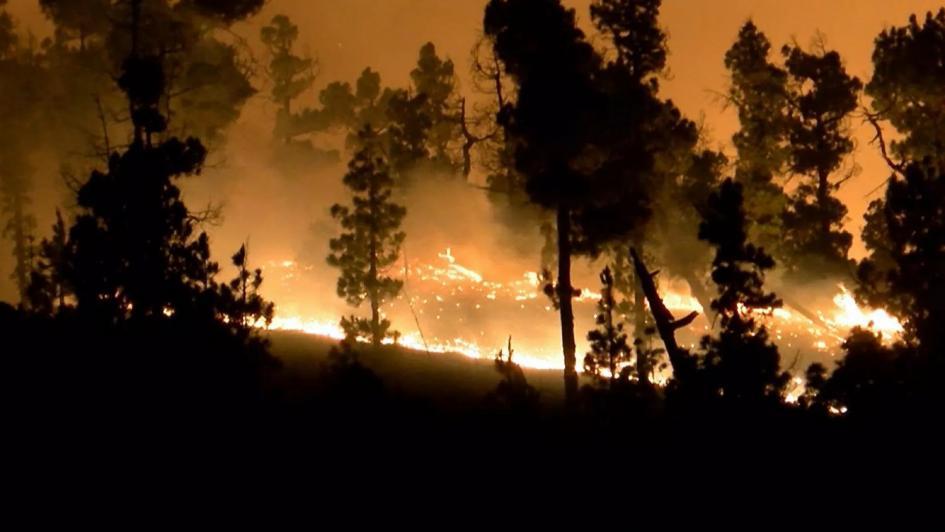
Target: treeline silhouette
122 317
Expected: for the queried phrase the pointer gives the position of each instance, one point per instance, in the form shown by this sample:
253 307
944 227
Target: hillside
437 378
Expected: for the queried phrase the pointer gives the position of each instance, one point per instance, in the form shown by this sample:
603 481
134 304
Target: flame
464 312
849 314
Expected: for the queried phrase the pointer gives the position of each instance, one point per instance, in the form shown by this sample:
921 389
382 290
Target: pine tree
541 47
758 92
823 96
741 364
907 274
78 20
49 280
594 163
134 251
907 91
907 87
633 27
434 79
242 304
291 74
370 241
608 341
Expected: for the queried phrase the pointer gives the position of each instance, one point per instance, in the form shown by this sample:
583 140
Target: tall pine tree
741 365
370 241
758 93
823 96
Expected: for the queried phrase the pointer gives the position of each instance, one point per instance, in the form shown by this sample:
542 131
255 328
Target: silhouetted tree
869 381
419 127
291 75
609 348
822 97
650 142
49 280
633 28
243 306
541 47
134 251
513 393
907 87
596 161
907 274
434 79
741 365
758 92
370 241
206 77
78 19
228 11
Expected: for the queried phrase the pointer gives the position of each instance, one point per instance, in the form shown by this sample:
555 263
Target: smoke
281 207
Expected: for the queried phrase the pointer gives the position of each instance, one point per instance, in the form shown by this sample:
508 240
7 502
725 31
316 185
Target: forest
678 292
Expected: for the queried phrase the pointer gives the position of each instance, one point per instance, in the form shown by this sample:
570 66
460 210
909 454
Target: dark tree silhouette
907 91
758 92
597 161
228 11
419 127
907 274
291 74
206 77
78 19
434 78
741 365
541 47
869 382
907 87
370 242
513 393
244 307
609 347
649 142
822 97
633 27
49 279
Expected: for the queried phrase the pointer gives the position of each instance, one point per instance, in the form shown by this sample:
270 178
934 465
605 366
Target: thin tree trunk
565 295
372 273
639 323
823 196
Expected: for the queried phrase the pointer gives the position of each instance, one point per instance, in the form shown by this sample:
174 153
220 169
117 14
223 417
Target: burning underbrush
447 306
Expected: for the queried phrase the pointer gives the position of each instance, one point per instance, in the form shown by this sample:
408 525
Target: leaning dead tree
666 324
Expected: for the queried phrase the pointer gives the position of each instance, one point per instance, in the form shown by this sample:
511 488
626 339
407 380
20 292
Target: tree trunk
823 196
376 335
666 324
639 324
566 310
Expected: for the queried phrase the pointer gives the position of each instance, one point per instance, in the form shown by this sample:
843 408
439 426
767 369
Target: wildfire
459 310
849 315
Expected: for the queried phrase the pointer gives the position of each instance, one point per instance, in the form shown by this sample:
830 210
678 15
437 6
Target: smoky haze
283 213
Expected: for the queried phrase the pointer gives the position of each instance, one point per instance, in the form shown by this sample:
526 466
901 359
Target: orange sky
348 35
